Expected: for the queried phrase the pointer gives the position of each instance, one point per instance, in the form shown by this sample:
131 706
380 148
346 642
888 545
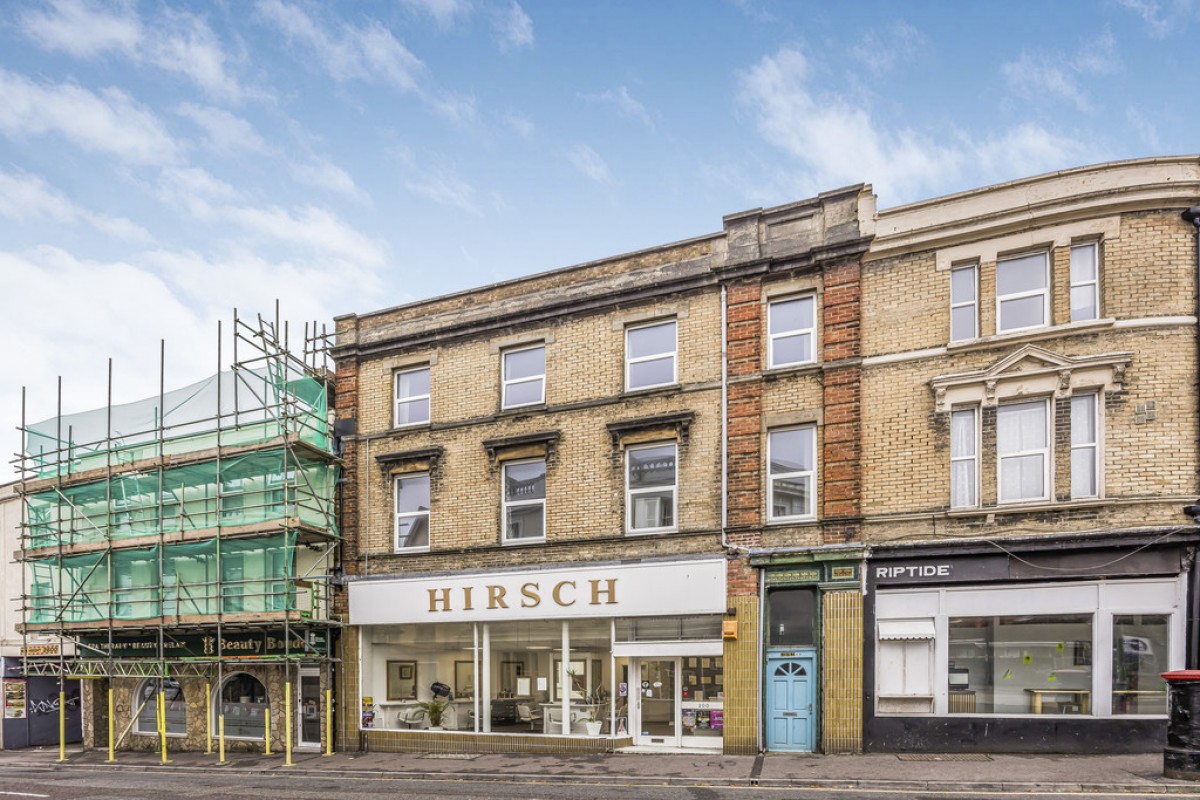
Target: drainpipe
1192 215
725 422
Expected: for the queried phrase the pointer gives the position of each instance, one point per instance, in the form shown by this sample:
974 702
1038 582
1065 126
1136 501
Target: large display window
1083 649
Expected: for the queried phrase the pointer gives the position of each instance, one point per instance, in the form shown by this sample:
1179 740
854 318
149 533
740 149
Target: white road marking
24 794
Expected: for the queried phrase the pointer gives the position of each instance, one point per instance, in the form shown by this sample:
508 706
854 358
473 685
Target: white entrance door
657 721
308 712
677 701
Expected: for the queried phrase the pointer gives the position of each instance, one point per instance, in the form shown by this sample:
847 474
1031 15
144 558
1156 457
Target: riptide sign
654 589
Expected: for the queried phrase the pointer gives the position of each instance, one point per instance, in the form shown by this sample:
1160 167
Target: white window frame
673 354
972 458
1093 283
630 493
1093 445
505 382
973 303
506 504
811 474
1043 293
397 515
397 400
1047 454
152 702
811 357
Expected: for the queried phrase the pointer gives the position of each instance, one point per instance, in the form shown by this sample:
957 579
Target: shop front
1044 646
592 657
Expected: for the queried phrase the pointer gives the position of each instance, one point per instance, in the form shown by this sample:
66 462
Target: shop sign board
944 570
626 590
257 644
40 650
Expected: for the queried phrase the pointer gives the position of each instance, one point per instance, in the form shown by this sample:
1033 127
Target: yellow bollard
267 734
162 724
221 737
112 742
287 722
328 722
208 718
62 726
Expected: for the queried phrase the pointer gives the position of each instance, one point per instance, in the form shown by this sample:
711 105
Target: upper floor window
964 457
412 397
650 355
1023 451
650 488
412 512
1023 292
792 463
1085 446
1085 282
524 500
964 303
524 377
791 328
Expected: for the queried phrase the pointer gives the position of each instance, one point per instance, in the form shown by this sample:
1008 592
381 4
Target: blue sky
161 163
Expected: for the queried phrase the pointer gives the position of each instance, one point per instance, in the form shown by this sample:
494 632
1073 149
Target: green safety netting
244 406
243 490
255 575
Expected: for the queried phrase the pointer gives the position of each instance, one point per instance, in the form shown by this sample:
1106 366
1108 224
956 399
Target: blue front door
790 681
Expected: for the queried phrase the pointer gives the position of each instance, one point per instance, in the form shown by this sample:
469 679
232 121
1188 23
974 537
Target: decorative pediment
1031 371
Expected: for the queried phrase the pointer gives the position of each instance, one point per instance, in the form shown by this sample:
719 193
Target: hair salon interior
832 479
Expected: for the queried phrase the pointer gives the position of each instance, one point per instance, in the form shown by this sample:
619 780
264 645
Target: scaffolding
160 537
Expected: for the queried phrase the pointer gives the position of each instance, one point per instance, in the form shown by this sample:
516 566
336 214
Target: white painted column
564 678
485 680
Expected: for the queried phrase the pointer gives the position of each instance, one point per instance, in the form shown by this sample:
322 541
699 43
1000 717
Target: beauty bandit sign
618 590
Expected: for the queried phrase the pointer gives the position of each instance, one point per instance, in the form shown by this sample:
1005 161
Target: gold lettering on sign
467 599
496 597
435 599
529 593
609 592
558 592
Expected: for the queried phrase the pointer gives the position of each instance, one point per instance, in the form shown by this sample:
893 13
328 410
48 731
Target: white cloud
589 162
881 50
456 108
514 28
835 142
27 198
1145 129
328 176
368 53
1054 78
444 187
1162 18
446 13
225 132
309 229
521 124
624 102
84 29
177 42
110 122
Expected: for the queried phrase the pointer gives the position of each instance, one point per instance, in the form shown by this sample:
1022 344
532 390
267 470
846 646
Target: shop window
792 463
791 617
1140 649
650 352
791 331
650 488
1085 451
1085 282
523 377
525 500
904 667
243 702
1029 664
412 512
964 303
1023 292
668 629
412 397
147 707
964 458
1023 450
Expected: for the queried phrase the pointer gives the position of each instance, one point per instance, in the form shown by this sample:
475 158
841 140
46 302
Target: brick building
829 479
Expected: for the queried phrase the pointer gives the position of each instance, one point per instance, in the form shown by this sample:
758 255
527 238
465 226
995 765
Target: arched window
243 702
146 706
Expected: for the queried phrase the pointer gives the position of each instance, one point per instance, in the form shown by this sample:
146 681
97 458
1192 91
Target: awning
893 629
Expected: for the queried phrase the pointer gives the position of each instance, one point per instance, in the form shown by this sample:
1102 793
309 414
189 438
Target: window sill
1030 334
522 542
513 411
414 426
651 531
644 391
1026 508
793 521
399 551
805 368
154 735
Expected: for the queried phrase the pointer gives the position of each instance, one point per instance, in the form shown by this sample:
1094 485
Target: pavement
1096 774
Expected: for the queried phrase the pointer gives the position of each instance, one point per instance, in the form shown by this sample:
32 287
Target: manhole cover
944 757
453 756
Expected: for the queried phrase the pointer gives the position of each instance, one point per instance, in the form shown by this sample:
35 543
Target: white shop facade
628 651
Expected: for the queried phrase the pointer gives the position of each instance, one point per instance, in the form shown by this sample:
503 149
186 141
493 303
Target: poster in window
14 699
401 680
1083 654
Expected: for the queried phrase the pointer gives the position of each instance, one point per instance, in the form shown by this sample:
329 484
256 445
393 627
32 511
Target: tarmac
1093 774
